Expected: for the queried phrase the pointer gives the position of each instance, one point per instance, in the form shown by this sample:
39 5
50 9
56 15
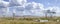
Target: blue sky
44 4
43 1
6 0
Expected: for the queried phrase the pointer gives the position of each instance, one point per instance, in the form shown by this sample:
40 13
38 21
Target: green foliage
44 18
28 19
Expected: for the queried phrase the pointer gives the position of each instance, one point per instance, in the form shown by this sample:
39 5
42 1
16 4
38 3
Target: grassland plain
27 21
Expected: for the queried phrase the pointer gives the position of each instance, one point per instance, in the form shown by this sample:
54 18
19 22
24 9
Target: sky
29 7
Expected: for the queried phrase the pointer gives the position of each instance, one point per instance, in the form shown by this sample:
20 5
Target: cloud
54 9
17 2
3 7
6 4
34 8
27 8
3 4
0 1
30 8
38 5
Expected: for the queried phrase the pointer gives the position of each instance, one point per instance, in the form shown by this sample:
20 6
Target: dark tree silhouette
51 13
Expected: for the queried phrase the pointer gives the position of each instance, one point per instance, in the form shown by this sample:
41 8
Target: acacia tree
46 12
51 13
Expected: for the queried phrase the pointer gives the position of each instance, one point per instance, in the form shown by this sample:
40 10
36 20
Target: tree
52 13
46 12
49 12
14 11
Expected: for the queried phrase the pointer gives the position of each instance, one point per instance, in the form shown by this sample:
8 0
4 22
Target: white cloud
37 5
0 1
4 4
34 8
30 8
18 2
56 9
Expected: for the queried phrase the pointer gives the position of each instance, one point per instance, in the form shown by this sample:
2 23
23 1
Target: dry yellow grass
8 21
